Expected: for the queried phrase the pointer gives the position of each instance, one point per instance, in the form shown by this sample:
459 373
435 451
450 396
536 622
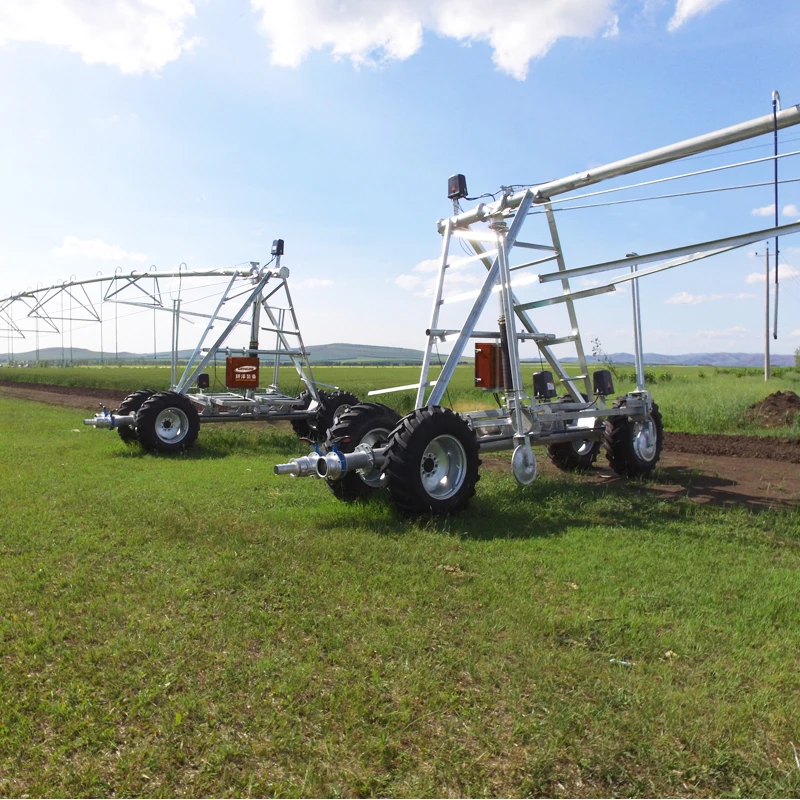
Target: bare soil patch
769 448
65 396
754 483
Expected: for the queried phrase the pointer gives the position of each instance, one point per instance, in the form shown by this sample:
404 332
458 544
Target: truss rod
715 244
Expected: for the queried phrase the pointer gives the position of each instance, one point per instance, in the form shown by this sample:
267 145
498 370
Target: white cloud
427 286
407 281
366 31
784 271
612 29
763 211
429 265
687 299
795 334
686 9
312 283
728 333
135 36
73 247
791 210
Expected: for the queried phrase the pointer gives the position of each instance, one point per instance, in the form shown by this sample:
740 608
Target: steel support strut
477 309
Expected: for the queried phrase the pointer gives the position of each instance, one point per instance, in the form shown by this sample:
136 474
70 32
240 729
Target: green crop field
196 626
692 399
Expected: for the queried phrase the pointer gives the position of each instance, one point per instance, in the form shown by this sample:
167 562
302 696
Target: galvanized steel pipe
652 158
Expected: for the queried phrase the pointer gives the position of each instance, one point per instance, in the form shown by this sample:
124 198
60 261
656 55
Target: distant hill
320 354
363 353
82 354
699 359
340 352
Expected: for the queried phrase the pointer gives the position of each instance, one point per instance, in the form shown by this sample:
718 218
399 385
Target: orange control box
488 367
241 372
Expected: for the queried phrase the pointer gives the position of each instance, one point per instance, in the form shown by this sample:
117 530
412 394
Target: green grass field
195 626
692 399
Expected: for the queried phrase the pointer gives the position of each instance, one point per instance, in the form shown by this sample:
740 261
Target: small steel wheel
130 405
167 422
432 462
633 447
364 423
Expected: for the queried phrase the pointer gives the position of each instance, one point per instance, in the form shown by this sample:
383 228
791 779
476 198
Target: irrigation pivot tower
429 460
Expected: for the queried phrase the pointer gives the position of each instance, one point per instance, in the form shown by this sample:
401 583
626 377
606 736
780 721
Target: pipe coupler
303 467
335 465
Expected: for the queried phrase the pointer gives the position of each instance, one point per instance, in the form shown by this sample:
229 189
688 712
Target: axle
334 465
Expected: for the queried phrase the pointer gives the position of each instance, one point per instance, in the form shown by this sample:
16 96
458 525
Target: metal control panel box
488 367
241 372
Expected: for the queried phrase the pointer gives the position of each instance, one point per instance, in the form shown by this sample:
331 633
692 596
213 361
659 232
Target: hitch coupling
333 465
111 421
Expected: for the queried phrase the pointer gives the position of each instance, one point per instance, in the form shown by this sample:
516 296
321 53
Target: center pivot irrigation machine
429 459
170 421
167 421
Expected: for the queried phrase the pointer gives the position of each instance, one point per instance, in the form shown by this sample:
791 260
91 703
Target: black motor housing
603 382
544 387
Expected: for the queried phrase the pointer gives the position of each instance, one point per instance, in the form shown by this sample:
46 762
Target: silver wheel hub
645 439
583 447
172 425
374 478
443 467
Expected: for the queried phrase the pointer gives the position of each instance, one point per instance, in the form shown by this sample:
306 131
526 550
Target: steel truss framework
493 232
257 297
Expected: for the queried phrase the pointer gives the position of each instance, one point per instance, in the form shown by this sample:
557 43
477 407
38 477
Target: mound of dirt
776 411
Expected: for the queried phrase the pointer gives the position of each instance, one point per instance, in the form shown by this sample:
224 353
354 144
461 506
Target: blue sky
165 131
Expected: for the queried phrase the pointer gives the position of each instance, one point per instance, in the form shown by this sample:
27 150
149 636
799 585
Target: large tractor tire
433 462
365 423
574 456
167 422
331 407
301 427
131 405
633 447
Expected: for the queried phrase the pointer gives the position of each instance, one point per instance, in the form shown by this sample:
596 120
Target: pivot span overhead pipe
652 158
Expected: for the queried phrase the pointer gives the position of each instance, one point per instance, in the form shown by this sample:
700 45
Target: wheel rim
172 425
584 447
375 438
645 439
443 467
